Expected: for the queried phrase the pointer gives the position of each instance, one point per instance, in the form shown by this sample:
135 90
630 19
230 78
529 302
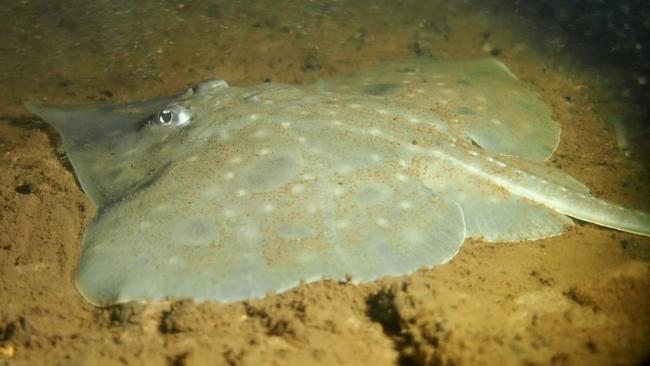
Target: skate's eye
173 116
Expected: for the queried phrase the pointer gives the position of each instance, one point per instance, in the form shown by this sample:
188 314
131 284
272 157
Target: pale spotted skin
262 188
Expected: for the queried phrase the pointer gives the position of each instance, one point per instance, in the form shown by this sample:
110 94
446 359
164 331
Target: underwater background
581 298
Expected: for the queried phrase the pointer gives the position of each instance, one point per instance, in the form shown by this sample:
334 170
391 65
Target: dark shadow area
381 308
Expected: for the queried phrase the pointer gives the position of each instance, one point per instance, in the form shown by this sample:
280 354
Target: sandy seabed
580 298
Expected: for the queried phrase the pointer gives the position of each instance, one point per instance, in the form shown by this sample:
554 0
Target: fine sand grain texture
580 298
